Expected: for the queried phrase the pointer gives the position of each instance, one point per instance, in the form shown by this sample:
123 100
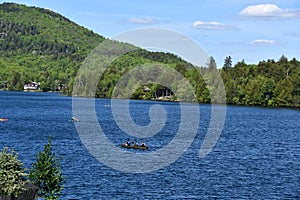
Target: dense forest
269 83
39 45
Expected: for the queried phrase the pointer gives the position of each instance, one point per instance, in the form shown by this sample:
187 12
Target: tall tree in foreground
46 173
12 174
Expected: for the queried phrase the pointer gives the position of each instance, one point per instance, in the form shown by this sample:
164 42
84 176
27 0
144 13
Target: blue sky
252 30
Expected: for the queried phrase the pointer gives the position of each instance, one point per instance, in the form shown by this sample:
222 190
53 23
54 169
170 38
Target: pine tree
227 63
46 173
212 63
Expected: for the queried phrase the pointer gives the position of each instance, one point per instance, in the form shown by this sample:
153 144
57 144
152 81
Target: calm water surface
256 157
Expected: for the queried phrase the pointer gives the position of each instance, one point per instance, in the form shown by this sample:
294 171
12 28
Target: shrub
12 174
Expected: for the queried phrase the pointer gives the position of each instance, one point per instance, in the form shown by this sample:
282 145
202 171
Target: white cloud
263 42
268 11
213 26
144 21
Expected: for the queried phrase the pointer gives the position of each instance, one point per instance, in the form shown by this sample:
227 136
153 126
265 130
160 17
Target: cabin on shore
31 86
163 92
160 93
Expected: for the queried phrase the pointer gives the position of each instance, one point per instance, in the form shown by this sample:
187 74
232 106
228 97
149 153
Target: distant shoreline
160 99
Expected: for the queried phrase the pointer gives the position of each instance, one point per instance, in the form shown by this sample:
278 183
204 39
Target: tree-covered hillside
39 45
269 83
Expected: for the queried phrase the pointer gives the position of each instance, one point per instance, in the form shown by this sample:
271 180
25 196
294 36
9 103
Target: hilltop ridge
32 29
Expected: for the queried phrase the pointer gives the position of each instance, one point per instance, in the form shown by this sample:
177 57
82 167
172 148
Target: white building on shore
31 86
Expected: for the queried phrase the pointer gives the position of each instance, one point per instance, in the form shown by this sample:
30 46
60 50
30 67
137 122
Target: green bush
12 174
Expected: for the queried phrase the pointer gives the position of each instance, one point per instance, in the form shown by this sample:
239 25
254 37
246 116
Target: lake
256 157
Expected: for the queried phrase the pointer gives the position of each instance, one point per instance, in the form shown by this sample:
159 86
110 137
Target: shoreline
159 99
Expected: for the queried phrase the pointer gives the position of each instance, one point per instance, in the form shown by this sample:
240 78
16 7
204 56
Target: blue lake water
256 157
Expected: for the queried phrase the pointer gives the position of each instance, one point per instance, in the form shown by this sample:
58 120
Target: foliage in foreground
46 173
12 174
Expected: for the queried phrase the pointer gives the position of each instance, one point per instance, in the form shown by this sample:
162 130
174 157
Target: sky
249 30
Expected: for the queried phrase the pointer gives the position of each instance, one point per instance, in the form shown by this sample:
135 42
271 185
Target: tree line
269 83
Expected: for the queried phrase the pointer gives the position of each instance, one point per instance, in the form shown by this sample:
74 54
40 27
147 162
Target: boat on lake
3 119
75 119
134 146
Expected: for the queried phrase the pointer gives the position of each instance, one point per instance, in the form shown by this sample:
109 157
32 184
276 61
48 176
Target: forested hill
41 31
37 44
40 45
269 83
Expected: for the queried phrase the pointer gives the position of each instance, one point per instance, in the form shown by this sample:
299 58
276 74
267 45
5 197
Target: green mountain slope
41 31
39 45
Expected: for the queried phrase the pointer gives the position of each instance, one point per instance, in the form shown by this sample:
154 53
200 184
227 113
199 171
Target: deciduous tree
12 174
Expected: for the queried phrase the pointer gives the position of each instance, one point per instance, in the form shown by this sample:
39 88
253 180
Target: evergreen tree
212 63
227 63
46 173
